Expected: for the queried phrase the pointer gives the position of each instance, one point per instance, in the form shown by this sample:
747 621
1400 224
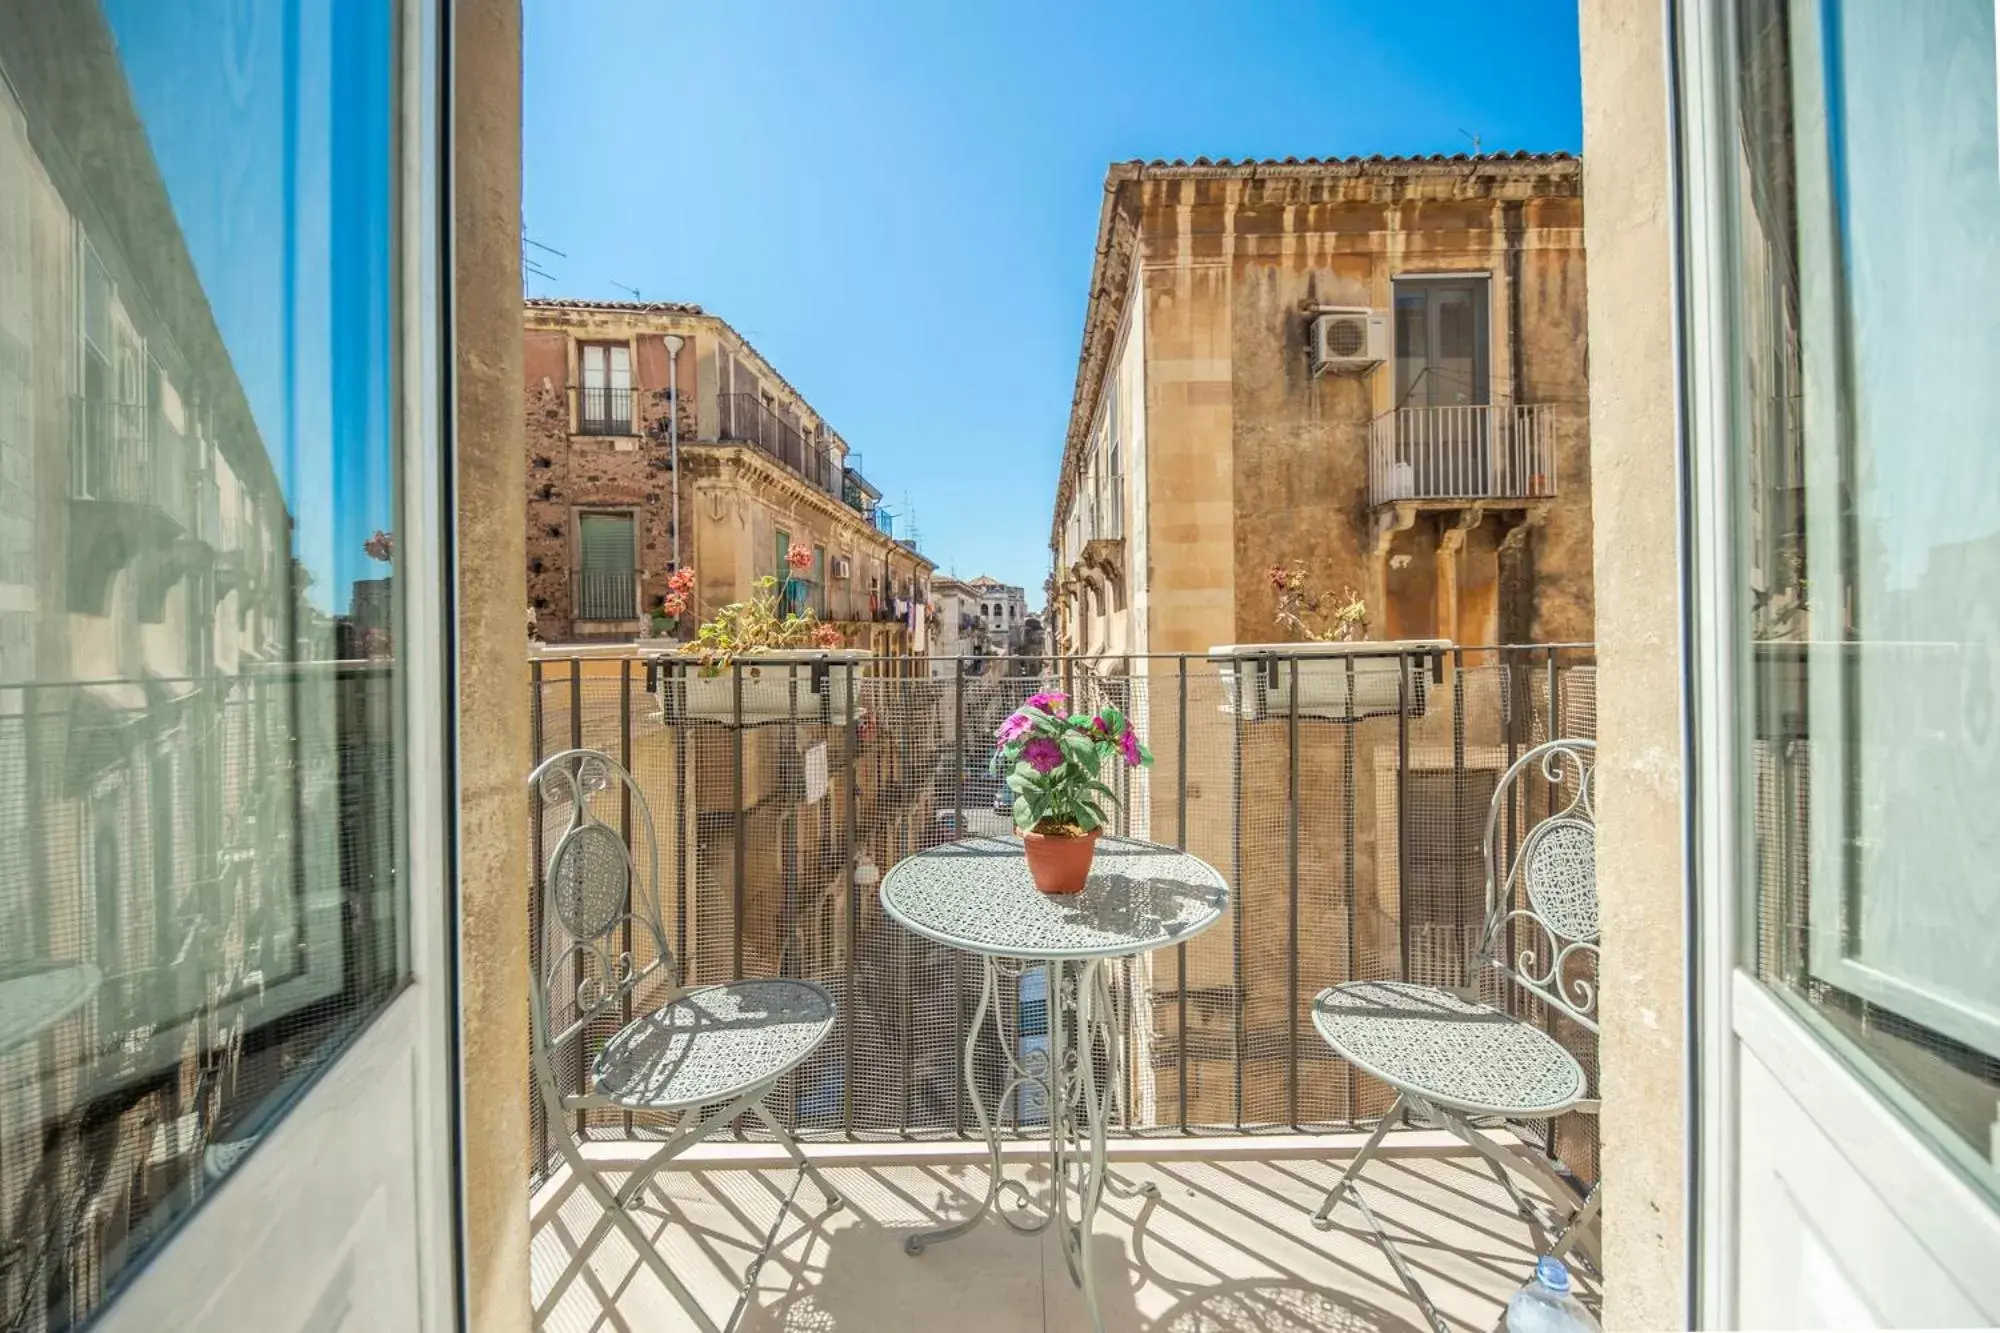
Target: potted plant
1332 670
791 667
1052 760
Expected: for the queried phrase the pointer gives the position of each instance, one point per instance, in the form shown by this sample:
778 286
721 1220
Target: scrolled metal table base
1082 1021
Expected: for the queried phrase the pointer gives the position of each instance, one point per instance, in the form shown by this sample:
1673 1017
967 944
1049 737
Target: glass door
1441 387
1848 485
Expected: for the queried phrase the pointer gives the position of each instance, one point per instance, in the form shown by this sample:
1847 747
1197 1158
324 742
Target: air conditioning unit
1349 341
843 567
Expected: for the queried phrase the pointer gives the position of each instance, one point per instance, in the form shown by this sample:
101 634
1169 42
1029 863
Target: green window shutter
607 582
607 543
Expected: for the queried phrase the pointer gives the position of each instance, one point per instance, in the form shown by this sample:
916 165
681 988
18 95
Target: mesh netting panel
1349 832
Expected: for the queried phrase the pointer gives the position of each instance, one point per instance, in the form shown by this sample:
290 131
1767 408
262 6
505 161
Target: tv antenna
1475 140
623 288
529 267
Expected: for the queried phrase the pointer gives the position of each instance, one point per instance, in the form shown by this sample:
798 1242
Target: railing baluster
1180 841
1292 912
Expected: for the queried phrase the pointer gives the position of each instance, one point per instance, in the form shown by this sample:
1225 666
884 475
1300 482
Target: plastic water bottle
1546 1304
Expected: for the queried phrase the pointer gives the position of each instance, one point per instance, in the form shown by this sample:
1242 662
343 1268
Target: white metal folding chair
708 1056
1450 1056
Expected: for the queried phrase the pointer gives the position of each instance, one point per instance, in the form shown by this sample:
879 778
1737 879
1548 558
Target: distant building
1376 368
760 473
955 623
1002 612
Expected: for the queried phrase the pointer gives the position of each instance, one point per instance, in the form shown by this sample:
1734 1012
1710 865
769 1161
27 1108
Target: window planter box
1341 681
802 685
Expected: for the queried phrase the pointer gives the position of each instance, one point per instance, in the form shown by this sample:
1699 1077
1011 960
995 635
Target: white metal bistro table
976 895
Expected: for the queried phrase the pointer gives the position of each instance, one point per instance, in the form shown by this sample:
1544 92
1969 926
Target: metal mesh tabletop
714 1043
977 895
1449 1050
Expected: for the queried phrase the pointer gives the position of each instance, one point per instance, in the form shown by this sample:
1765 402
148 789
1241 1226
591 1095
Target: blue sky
897 202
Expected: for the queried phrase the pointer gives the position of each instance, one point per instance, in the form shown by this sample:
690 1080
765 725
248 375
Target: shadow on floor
1225 1247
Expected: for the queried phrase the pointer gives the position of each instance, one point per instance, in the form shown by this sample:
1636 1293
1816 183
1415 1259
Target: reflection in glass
1867 258
199 828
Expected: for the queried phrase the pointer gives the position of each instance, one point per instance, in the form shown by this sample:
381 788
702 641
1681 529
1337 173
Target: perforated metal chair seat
1449 1050
713 1044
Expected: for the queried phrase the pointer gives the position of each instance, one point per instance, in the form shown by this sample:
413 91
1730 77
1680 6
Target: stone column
1635 494
493 754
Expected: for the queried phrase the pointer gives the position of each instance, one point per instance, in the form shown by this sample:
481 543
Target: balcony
604 411
606 596
1480 452
747 419
1353 850
124 455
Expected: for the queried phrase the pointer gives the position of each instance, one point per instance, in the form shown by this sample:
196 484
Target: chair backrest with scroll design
603 938
1541 896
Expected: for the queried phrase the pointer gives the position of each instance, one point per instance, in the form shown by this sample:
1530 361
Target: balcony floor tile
1227 1246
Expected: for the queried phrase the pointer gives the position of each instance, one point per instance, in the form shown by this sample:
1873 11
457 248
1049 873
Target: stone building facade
613 391
1374 367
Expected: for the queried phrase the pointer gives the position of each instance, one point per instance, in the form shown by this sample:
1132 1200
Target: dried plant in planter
756 625
1314 614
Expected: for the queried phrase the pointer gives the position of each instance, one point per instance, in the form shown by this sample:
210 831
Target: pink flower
799 557
826 636
1042 754
1128 743
681 580
674 603
1016 726
1049 701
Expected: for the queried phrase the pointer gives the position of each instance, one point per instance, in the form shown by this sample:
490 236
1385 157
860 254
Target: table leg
1022 1072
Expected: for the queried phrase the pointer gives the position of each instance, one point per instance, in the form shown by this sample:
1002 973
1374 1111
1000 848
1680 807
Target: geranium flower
799 557
1128 744
1016 726
1042 754
681 580
826 636
674 603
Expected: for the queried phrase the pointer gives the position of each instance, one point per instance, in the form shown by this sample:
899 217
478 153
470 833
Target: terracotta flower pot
1059 863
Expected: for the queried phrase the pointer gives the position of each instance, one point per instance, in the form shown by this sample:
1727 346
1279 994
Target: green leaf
1024 813
1089 817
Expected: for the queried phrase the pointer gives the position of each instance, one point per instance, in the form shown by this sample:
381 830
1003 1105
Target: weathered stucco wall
492 664
1250 460
1643 1055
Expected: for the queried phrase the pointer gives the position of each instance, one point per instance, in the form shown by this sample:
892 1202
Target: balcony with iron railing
1470 452
746 419
124 454
605 595
604 410
1350 836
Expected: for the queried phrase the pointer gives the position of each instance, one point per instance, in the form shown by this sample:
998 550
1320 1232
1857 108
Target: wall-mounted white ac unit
1349 341
843 568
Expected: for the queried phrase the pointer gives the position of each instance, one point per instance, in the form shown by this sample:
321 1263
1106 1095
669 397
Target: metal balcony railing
1351 845
1492 451
606 594
745 418
123 453
602 410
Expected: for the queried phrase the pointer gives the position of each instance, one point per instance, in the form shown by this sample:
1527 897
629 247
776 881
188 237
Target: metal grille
1350 836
